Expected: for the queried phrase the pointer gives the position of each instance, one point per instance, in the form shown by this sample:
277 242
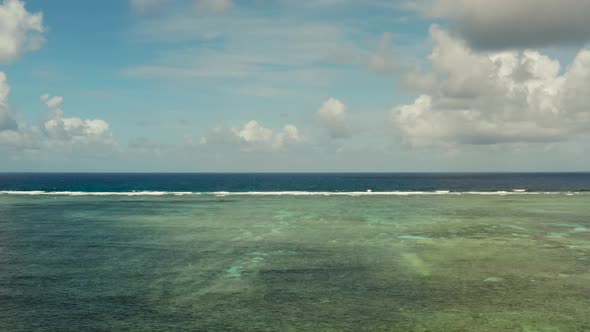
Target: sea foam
281 193
96 193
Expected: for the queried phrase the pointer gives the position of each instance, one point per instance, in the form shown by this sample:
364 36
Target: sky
294 85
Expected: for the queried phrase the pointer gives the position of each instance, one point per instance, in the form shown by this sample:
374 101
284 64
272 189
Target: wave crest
282 193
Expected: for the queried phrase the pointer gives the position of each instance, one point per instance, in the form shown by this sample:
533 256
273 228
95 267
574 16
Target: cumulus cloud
75 130
474 97
20 31
502 24
253 137
56 134
332 114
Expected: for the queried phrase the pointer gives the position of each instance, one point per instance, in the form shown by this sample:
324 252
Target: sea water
470 252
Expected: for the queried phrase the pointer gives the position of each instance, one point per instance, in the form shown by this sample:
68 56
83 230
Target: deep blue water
202 182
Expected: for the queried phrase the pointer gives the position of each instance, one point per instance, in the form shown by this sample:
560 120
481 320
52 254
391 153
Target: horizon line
297 172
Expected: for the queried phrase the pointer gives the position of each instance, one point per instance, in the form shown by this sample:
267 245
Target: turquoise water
295 263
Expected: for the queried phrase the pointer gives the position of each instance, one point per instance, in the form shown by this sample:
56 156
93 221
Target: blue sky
285 85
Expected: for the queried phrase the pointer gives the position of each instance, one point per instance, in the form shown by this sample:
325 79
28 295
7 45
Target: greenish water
285 263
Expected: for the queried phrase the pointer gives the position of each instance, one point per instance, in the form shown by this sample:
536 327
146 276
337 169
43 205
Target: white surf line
384 193
97 193
285 193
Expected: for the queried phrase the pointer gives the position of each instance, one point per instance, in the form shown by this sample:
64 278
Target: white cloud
253 137
213 6
59 139
487 98
500 24
332 113
60 128
57 132
20 31
57 135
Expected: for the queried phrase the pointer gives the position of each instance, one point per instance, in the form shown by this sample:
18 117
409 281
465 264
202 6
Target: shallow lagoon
295 263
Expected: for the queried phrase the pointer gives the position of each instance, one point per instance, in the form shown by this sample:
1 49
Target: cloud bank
504 24
473 97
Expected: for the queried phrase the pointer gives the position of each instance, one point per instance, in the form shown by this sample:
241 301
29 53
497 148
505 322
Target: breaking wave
284 193
96 193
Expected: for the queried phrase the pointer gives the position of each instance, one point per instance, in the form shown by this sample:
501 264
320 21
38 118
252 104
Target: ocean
295 252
